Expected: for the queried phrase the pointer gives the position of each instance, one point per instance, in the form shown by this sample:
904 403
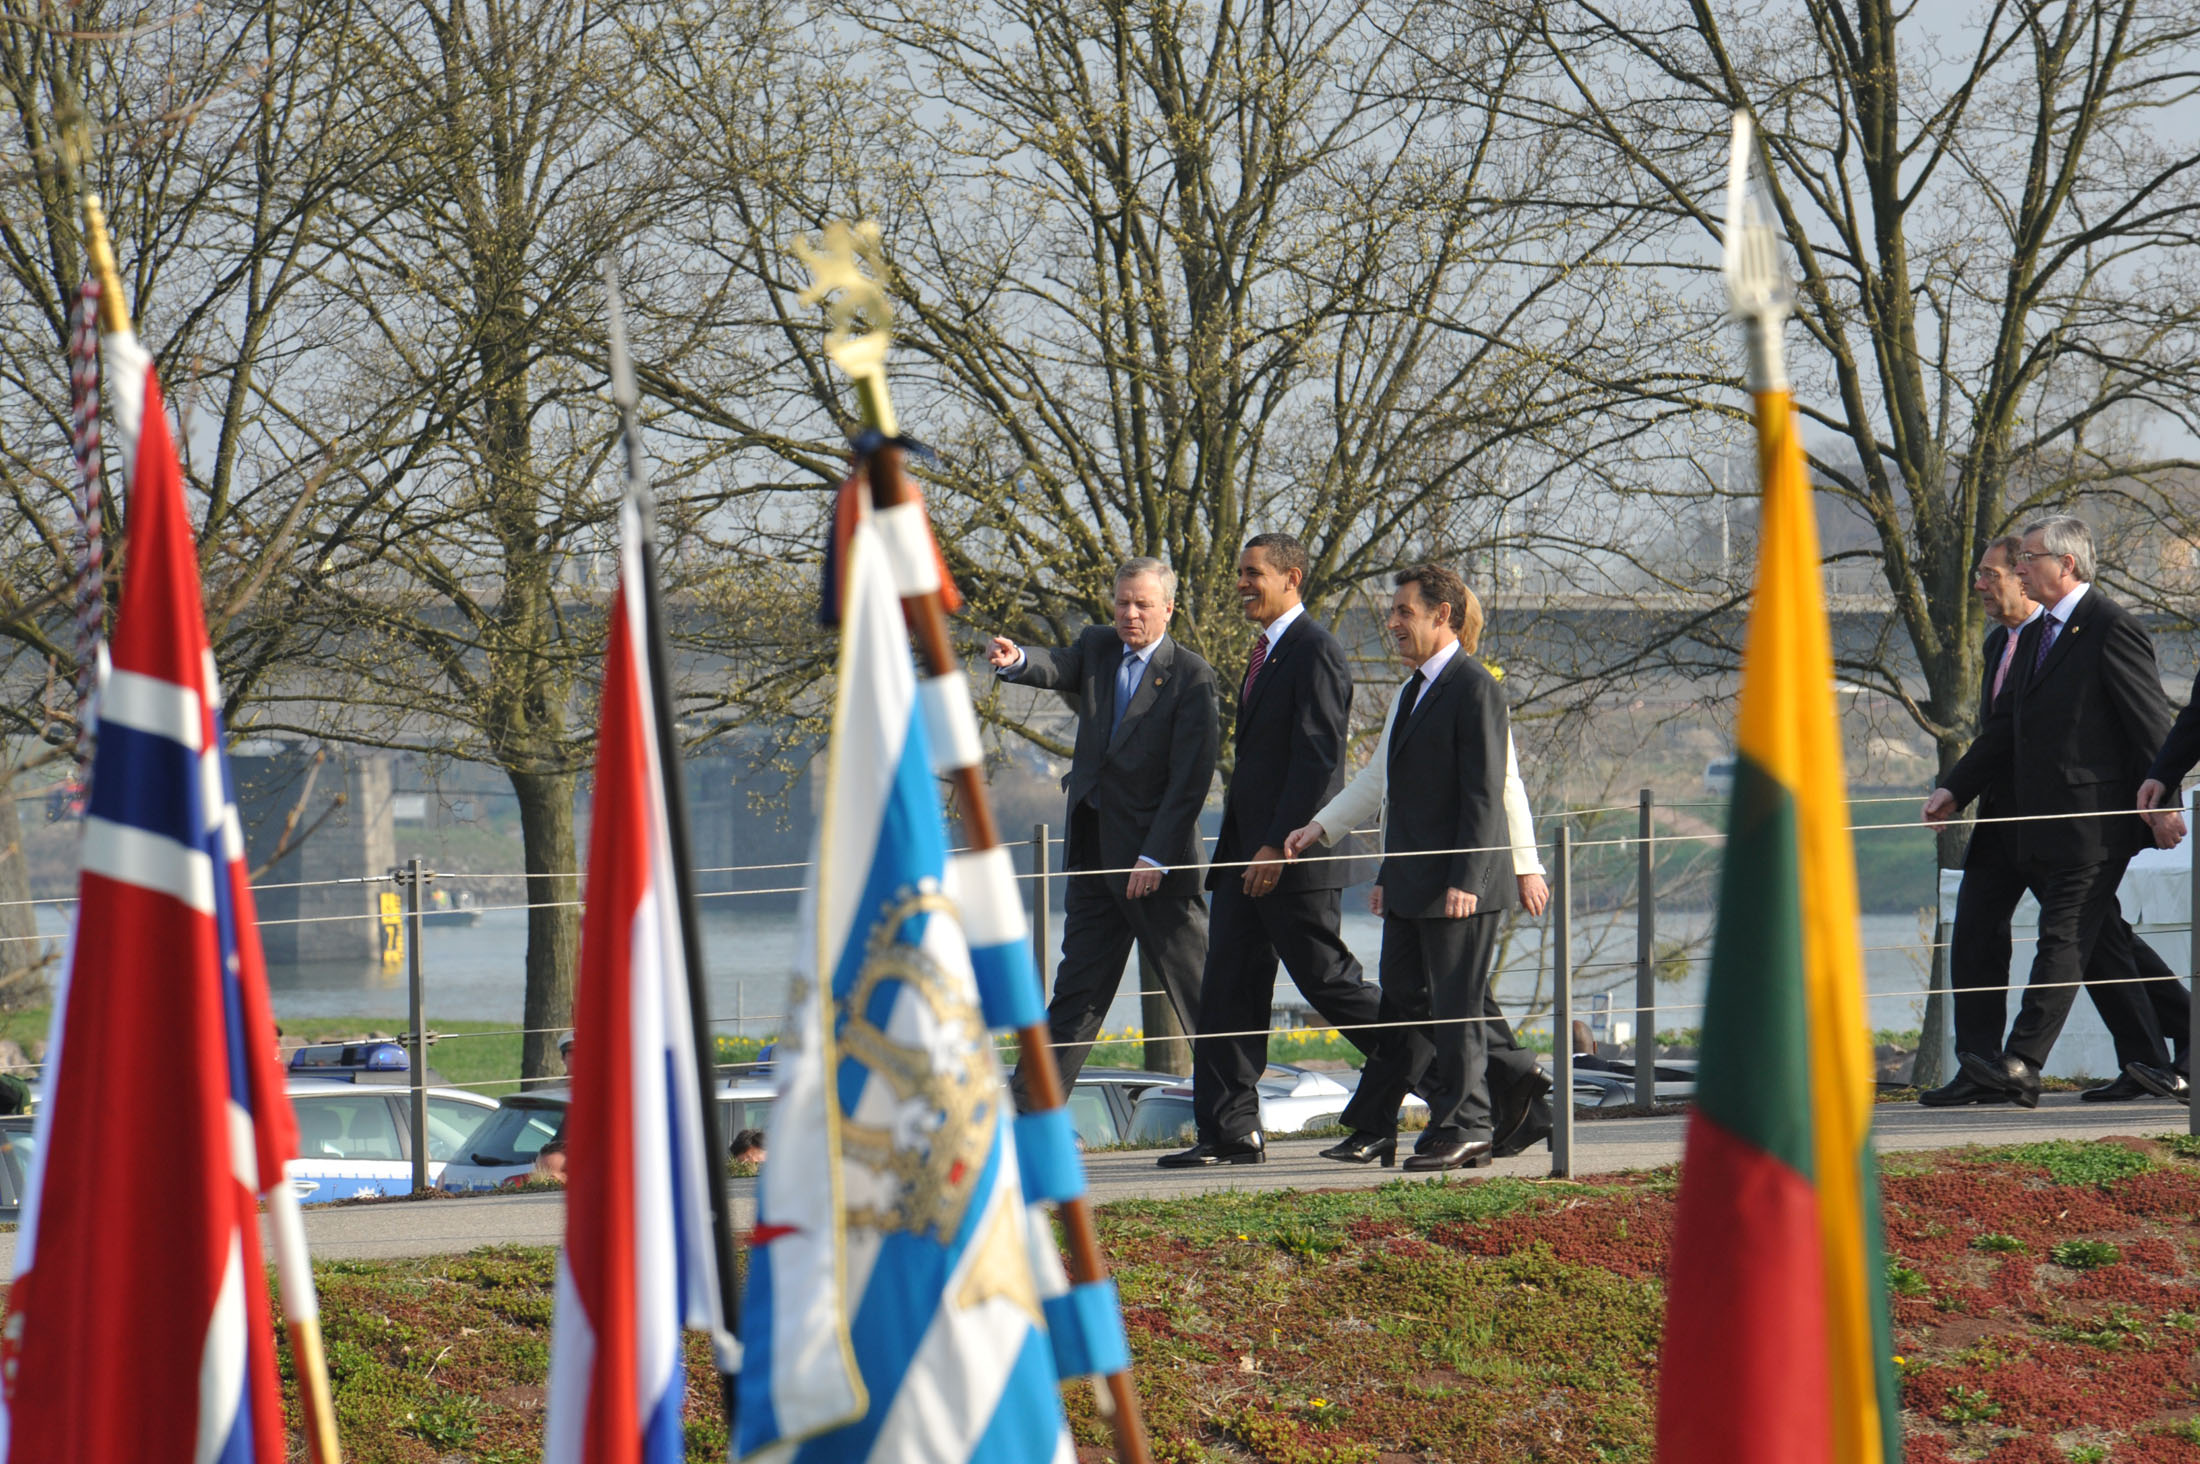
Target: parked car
1292 1100
15 1164
1718 777
378 1061
503 1152
356 1139
1614 1086
1103 1100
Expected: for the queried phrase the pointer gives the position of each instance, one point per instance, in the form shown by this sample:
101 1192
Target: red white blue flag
638 1263
138 1327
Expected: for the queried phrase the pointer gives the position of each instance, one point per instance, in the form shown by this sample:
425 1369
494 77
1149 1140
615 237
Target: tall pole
1646 960
2192 971
1042 904
683 864
1562 1010
410 877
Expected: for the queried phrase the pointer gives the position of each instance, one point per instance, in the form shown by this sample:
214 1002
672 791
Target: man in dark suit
1290 742
1146 743
1447 870
2072 737
1521 1111
1993 879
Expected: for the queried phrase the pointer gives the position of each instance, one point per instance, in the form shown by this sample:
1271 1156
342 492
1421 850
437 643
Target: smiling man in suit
1145 756
1290 741
2071 739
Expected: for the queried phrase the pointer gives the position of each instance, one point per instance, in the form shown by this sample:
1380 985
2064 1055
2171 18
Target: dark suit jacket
2181 749
1998 797
1290 756
1446 790
1149 781
2074 736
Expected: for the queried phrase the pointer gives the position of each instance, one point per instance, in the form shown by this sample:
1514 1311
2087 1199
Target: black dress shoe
2010 1073
2161 1082
1962 1089
1534 1127
1245 1150
1511 1106
1361 1148
1462 1154
2120 1089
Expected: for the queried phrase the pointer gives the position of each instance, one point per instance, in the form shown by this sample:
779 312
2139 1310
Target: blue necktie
1127 677
2047 639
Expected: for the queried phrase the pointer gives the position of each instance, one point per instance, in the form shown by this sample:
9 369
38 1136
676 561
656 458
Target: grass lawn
2046 1300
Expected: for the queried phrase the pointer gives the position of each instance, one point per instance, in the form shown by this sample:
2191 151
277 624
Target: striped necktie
1252 667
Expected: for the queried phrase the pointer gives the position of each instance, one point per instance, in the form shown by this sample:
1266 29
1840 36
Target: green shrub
2085 1255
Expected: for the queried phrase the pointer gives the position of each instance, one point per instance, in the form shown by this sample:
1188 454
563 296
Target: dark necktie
1252 667
2048 632
1407 700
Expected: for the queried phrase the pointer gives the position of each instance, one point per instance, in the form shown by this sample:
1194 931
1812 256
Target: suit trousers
1246 937
1436 973
1509 1064
1993 883
1100 927
2078 916
1978 964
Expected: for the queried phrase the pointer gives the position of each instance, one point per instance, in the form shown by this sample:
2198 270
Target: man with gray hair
1147 735
2070 737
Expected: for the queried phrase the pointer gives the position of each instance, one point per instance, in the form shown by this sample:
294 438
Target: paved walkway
1602 1146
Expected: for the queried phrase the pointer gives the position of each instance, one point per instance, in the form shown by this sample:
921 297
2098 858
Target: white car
1292 1099
503 1151
356 1138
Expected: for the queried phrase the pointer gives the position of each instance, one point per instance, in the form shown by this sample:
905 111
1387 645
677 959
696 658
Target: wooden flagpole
863 357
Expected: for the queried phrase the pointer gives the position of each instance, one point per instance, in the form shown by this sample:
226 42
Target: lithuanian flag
1776 1342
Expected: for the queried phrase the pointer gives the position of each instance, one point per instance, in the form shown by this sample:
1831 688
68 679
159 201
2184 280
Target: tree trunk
553 920
1927 1070
23 958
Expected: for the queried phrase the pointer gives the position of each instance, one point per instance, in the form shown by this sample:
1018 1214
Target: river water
477 973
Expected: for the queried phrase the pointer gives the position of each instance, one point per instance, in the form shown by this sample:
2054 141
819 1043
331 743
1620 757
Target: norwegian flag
138 1328
639 1263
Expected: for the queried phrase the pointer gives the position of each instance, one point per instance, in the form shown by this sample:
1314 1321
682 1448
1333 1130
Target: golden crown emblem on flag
926 1158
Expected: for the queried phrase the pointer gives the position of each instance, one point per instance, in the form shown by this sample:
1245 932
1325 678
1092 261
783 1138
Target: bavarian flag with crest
900 1279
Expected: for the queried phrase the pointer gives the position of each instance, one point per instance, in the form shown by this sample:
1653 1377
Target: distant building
294 788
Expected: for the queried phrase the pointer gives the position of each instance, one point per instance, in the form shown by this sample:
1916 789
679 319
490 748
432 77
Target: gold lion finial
856 304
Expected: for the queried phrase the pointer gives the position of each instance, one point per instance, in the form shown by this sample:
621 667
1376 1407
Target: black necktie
1406 701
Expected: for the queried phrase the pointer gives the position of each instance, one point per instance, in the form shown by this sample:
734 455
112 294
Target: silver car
504 1151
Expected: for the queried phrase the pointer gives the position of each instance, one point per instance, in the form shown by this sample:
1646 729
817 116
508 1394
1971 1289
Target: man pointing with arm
1146 740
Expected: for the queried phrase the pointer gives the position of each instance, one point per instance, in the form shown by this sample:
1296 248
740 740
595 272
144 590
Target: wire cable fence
1568 980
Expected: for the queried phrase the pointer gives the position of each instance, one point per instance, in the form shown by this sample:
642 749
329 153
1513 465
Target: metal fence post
1646 964
2192 969
1042 901
1562 1012
411 877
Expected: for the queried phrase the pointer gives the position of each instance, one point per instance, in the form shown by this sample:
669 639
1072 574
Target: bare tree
208 133
1992 223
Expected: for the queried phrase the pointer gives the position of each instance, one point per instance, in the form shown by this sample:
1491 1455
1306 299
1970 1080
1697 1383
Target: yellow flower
1241 1237
1317 1402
